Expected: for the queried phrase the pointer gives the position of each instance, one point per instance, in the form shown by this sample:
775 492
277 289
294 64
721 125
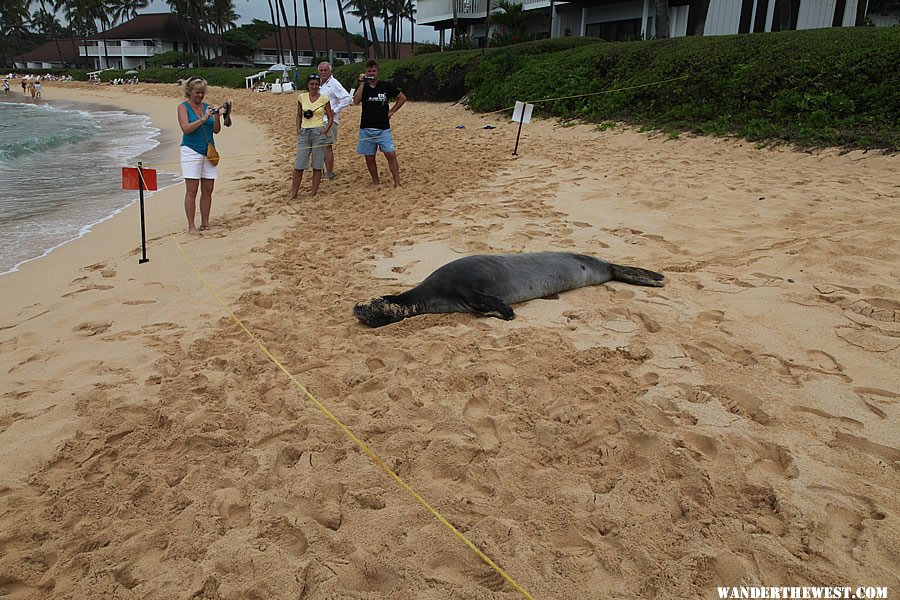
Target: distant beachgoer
37 88
32 89
375 122
5 87
312 134
200 123
24 88
340 99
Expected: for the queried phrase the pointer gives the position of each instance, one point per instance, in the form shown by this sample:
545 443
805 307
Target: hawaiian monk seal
487 284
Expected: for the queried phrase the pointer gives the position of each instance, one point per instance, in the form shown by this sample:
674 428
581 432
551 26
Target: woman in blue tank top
200 123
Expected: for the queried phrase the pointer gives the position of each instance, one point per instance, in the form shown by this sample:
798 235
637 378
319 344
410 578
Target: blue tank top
198 140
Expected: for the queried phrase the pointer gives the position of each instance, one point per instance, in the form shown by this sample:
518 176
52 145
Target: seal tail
636 276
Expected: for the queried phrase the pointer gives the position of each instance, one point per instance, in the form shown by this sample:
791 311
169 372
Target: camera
368 78
307 114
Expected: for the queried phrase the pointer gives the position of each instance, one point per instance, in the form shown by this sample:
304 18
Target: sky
259 9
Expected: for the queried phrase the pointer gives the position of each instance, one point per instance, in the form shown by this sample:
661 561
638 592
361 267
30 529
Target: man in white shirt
339 99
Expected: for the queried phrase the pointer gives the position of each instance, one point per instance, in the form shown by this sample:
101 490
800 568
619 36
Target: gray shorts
311 144
332 134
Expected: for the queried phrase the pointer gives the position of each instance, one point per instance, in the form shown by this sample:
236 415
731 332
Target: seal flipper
489 306
636 275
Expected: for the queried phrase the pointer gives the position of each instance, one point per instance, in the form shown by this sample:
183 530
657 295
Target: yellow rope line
359 443
634 87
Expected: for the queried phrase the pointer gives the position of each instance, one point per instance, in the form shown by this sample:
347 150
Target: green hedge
825 87
441 76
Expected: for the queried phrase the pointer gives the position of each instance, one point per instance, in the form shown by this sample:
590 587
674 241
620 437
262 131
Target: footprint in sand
88 288
888 455
873 397
877 309
231 507
711 317
736 401
92 327
872 339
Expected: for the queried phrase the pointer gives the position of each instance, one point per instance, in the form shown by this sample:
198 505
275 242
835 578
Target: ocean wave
38 130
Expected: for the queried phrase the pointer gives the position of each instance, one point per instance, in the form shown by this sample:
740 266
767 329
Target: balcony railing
120 50
433 11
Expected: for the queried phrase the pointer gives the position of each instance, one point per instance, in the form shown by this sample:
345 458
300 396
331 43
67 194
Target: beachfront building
131 44
57 54
634 19
325 43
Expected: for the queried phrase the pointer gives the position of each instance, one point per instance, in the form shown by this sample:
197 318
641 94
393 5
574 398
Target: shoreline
164 139
110 251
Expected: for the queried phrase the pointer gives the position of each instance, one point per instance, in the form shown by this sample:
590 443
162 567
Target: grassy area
826 87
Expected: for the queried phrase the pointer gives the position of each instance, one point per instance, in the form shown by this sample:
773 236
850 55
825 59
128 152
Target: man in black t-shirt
375 122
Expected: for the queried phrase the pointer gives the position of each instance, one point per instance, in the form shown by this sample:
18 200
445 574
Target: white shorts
196 166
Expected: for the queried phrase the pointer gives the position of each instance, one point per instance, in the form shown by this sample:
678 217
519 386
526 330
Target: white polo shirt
339 97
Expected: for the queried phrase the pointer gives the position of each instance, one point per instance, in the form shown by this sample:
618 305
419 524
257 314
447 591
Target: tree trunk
325 16
662 19
290 37
346 33
312 44
372 30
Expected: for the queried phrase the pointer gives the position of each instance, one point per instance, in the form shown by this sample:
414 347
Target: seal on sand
487 284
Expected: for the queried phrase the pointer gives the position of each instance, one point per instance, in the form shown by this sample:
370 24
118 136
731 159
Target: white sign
521 108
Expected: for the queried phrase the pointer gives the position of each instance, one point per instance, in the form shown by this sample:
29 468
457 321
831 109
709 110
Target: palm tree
123 10
278 50
13 22
346 33
183 9
512 18
291 38
46 23
312 43
325 15
365 10
221 17
407 10
67 7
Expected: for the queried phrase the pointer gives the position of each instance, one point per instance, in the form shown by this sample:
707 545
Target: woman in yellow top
311 134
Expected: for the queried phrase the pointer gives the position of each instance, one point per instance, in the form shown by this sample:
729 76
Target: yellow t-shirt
318 108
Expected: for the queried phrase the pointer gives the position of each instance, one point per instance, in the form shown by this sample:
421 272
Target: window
615 31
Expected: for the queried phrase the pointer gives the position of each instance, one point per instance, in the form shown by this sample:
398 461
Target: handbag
212 154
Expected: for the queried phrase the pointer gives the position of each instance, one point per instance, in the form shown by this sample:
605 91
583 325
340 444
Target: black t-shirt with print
375 105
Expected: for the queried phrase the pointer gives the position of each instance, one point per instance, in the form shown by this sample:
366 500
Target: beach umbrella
279 67
131 72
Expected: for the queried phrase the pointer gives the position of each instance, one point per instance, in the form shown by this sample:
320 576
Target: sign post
140 179
522 114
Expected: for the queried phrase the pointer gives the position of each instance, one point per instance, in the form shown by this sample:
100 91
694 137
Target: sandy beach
735 427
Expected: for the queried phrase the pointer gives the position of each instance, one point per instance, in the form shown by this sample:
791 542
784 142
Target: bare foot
193 231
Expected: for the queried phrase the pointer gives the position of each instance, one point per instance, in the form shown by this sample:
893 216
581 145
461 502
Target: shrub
837 87
425 48
172 59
